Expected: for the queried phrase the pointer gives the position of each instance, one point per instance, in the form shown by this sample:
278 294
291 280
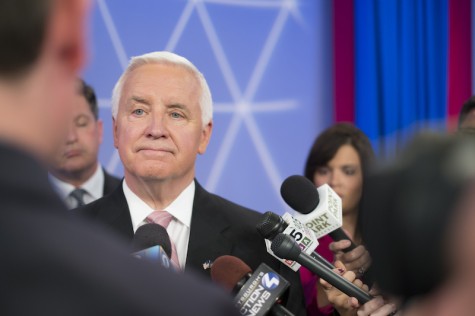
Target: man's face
79 151
158 130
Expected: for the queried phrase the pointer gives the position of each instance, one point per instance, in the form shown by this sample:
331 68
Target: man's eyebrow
177 106
140 100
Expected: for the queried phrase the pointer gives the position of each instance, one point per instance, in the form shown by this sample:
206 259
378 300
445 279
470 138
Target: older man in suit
75 171
162 113
52 265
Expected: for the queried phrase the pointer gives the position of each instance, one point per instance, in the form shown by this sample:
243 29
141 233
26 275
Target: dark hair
22 32
88 93
468 106
330 140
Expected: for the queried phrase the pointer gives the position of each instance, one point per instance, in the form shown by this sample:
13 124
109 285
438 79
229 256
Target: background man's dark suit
218 227
110 182
53 265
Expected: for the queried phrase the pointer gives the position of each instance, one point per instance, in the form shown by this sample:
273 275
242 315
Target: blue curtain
401 67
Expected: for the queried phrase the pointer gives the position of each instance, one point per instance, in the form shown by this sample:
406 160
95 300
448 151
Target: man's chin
73 168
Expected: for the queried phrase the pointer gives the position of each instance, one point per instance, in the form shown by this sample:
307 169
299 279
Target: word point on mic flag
303 236
327 216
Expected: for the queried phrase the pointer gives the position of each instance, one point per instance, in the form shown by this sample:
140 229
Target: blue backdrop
268 64
401 69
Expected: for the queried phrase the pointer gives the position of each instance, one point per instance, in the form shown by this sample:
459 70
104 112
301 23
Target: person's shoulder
91 210
226 207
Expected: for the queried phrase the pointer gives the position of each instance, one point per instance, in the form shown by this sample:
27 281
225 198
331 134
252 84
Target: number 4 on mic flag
260 292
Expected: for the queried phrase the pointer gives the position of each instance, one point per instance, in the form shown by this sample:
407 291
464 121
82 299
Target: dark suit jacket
218 227
54 265
110 182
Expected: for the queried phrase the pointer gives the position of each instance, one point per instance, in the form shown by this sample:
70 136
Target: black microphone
150 235
286 248
301 195
272 224
255 293
151 242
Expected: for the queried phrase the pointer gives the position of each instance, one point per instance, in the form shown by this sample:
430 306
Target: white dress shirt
181 209
94 188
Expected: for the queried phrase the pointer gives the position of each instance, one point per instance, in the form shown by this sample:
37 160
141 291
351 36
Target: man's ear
66 32
205 137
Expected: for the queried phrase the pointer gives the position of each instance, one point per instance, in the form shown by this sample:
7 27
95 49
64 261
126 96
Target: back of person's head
22 30
89 94
330 140
407 208
42 49
467 107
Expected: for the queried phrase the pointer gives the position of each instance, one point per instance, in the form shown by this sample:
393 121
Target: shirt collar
181 208
94 185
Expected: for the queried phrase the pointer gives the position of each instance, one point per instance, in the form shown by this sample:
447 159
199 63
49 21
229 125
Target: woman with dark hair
339 157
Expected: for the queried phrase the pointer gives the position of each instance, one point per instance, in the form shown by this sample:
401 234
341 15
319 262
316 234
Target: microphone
320 209
150 235
151 242
255 293
272 224
285 247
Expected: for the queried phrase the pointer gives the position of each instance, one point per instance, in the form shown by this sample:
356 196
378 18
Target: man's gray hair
206 102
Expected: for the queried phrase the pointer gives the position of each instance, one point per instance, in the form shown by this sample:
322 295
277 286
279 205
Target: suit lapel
114 211
207 232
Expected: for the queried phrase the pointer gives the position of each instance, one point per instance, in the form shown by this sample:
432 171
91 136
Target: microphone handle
339 234
315 255
279 310
334 279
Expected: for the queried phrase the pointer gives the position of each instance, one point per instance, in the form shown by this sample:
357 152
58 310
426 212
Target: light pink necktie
163 218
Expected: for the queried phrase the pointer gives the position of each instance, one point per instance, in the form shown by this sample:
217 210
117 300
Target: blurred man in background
75 172
50 264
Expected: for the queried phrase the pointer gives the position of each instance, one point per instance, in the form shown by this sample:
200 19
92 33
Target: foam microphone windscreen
151 235
228 271
300 194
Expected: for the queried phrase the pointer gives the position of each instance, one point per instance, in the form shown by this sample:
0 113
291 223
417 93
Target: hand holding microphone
286 248
345 305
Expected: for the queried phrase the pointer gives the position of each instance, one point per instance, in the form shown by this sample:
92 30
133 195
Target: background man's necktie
78 196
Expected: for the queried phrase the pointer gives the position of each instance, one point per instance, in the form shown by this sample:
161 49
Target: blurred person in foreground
418 224
340 157
50 264
75 171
